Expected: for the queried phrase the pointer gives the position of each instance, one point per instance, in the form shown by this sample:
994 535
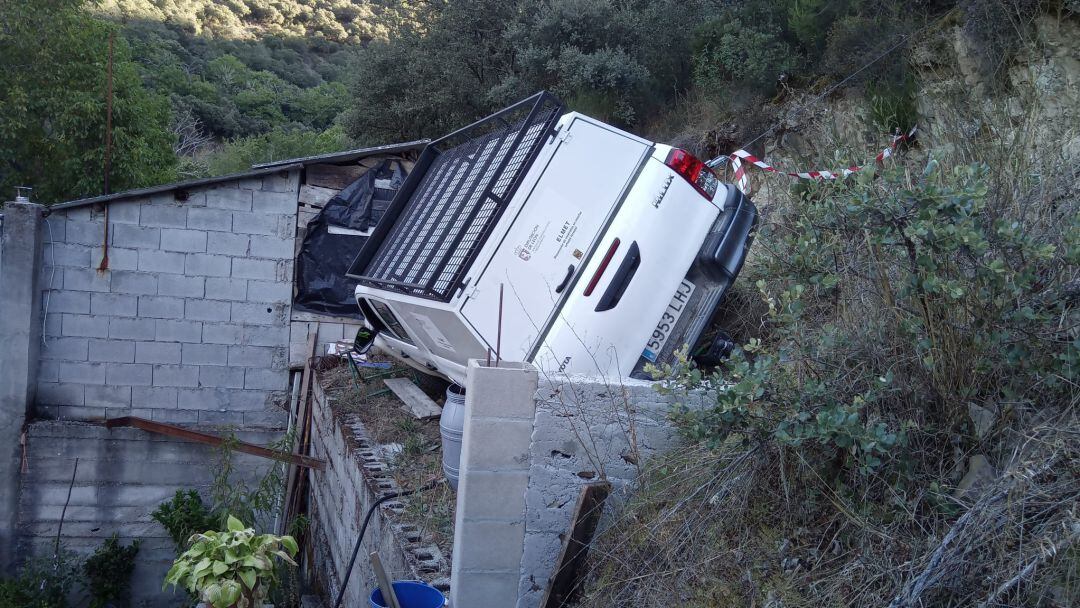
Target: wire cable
363 528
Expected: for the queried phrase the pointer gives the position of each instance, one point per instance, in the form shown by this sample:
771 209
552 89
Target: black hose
363 529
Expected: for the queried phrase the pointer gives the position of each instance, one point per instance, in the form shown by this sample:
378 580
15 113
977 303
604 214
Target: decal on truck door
433 332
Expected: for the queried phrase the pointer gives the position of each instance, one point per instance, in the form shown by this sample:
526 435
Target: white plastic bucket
451 424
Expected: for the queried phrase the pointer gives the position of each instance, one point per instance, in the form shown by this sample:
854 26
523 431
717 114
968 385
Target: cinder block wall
189 322
340 497
123 475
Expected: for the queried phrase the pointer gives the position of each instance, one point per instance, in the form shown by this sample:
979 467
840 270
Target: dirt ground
419 457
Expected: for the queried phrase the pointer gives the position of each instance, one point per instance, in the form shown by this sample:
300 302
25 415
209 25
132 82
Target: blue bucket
411 594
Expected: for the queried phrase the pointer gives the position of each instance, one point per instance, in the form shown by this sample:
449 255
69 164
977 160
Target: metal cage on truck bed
443 213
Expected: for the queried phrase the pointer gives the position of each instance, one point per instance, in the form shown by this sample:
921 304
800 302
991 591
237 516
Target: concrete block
154 397
506 391
181 286
251 400
78 412
114 304
65 349
259 335
200 264
120 258
172 416
85 326
67 254
229 198
275 202
226 289
52 278
187 241
84 232
214 376
157 352
218 418
176 375
205 354
266 419
208 310
137 283
495 545
84 279
124 212
202 399
282 181
267 379
222 333
251 356
107 396
151 260
272 247
129 374
83 372
161 307
177 331
257 223
247 268
131 329
258 314
496 444
137 237
218 220
112 351
495 495
163 215
52 324
77 302
84 214
48 371
269 291
51 393
227 243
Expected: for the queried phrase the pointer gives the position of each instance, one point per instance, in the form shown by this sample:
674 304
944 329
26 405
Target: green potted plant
231 569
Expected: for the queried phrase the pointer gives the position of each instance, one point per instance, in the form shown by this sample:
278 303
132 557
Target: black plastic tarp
332 241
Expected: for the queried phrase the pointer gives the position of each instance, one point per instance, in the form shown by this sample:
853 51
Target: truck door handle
566 279
621 280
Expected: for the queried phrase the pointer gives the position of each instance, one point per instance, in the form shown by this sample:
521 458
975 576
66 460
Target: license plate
668 320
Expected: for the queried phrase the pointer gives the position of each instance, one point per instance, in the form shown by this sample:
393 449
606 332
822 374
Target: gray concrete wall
584 430
340 497
123 475
20 332
190 321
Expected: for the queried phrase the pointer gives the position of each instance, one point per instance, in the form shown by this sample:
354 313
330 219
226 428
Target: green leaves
235 567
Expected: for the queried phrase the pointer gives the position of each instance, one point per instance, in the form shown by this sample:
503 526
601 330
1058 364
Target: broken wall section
585 430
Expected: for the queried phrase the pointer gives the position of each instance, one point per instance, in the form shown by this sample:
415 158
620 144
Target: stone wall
123 475
340 496
189 321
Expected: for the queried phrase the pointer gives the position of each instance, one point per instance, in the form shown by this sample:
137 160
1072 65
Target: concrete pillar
20 341
489 530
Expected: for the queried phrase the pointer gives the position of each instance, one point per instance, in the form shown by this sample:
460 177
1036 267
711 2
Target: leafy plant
41 583
185 514
108 572
231 569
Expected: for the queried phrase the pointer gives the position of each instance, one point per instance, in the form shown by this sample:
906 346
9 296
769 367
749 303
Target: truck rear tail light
603 266
694 171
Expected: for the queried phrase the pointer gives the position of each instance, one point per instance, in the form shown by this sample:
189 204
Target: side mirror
365 337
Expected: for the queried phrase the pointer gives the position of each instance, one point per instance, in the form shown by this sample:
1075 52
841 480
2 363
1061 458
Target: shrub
184 515
41 583
741 51
108 572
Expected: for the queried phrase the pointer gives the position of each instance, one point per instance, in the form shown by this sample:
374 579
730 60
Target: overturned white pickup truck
553 238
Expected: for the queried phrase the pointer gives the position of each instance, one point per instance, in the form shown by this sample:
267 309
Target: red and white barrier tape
740 158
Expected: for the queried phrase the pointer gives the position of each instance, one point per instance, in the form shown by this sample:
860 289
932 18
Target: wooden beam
335 177
420 405
214 440
566 580
316 195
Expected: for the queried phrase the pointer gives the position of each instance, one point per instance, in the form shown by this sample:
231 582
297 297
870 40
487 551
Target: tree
53 65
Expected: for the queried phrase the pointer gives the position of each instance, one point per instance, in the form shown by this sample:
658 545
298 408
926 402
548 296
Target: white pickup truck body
588 260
